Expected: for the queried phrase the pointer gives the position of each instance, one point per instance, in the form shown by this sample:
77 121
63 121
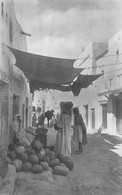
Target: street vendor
19 134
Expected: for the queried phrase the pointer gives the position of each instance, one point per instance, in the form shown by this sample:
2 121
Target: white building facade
101 103
15 94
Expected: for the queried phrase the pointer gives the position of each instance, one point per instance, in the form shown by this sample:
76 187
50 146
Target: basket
41 131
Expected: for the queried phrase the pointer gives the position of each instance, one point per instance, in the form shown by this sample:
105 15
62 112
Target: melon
37 145
54 162
60 157
19 150
17 164
37 169
12 147
30 151
69 163
33 159
60 170
44 165
27 166
24 157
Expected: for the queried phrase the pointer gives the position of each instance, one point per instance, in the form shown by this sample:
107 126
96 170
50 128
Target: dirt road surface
97 171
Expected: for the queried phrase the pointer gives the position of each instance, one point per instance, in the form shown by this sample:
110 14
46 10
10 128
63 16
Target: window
2 8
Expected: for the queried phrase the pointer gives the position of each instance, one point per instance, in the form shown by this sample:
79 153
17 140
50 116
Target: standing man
49 114
79 134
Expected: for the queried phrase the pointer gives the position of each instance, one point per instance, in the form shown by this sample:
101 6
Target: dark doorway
26 111
93 118
104 115
15 105
23 115
119 116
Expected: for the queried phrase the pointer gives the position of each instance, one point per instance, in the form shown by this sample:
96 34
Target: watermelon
37 169
17 164
30 151
44 165
37 145
33 159
54 162
60 170
60 157
24 157
27 166
19 150
69 163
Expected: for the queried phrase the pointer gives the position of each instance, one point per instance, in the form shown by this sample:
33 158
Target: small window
2 8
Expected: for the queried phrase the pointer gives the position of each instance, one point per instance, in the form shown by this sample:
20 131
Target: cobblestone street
97 171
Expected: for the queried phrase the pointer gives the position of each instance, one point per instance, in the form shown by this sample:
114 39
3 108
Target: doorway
15 105
93 118
104 115
119 116
26 112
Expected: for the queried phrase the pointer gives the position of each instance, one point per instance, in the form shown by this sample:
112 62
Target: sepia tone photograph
60 97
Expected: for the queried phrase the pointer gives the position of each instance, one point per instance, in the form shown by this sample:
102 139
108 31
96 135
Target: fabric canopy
83 81
46 69
51 73
35 85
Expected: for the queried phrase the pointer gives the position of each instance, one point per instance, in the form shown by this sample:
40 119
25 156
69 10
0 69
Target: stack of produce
36 159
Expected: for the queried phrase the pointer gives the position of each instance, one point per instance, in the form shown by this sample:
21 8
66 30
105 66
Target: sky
63 28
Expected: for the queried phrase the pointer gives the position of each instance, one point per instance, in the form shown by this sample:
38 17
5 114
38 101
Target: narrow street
97 171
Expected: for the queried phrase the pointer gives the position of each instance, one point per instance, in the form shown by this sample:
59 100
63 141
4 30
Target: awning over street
83 81
46 69
35 85
51 73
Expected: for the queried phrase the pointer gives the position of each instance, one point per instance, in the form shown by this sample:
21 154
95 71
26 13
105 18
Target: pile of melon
35 159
